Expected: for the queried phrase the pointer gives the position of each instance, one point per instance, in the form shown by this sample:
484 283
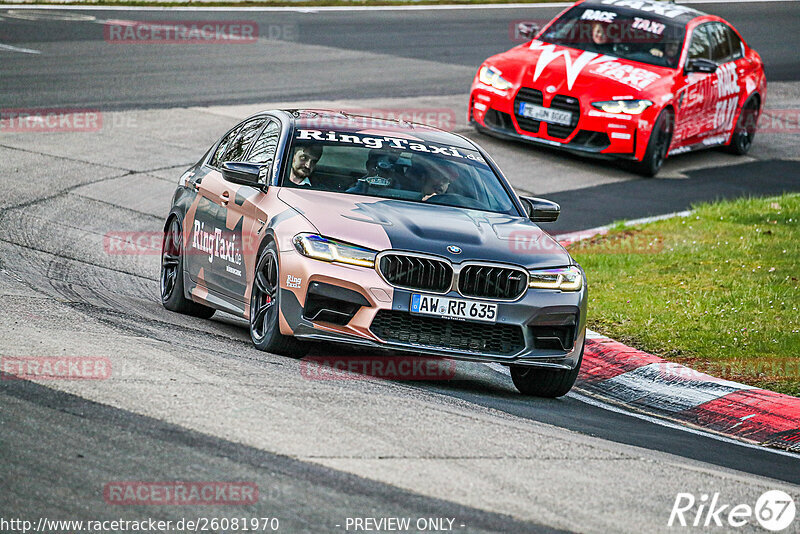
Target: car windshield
378 164
629 34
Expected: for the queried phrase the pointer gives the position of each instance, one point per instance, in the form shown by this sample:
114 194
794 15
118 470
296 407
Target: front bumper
531 318
595 133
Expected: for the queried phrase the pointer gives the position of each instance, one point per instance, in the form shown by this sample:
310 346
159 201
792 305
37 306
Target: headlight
324 249
491 76
564 278
631 107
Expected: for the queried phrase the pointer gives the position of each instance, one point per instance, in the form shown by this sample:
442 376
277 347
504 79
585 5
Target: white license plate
539 113
448 308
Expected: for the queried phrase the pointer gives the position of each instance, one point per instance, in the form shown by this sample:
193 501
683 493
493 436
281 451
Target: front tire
657 146
745 131
265 331
548 383
171 282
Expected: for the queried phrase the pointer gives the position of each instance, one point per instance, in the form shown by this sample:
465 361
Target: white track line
18 49
676 426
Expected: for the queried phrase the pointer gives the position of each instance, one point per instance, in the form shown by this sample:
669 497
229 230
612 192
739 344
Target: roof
654 8
379 121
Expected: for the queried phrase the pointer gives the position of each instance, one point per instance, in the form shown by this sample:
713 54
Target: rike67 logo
774 510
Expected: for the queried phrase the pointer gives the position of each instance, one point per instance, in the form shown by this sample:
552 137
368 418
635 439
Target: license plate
539 113
448 308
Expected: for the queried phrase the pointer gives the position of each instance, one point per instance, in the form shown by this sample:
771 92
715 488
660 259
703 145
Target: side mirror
540 209
527 30
245 173
703 65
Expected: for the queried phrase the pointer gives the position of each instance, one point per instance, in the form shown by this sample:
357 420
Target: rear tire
265 330
745 131
548 383
172 288
657 146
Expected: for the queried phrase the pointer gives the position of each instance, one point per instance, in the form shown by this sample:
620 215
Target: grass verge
717 291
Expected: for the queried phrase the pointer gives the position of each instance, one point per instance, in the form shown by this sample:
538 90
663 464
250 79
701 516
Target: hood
571 71
382 224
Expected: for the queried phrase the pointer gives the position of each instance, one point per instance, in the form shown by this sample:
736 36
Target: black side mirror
540 209
246 173
700 64
527 30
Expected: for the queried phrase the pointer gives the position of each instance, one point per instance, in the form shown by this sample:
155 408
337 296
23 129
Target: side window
265 146
720 47
217 159
737 50
238 147
700 47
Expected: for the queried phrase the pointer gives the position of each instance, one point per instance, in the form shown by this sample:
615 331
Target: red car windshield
615 31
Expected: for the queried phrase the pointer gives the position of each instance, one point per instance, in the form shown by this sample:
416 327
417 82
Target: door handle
224 197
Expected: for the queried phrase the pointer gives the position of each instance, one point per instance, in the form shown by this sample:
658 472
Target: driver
599 35
304 161
437 178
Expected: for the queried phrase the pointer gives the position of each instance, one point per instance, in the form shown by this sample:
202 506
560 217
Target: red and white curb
573 237
623 375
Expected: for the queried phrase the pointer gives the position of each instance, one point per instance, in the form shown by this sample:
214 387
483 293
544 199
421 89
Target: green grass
717 291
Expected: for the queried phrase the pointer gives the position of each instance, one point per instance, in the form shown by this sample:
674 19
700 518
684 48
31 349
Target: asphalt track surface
192 400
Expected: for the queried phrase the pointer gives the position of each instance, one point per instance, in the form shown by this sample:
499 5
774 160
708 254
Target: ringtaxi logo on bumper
775 510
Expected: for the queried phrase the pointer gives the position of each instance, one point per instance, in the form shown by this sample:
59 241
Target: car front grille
415 272
562 102
529 96
408 329
486 281
566 103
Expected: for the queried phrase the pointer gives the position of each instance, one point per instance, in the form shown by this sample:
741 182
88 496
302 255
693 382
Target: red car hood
571 71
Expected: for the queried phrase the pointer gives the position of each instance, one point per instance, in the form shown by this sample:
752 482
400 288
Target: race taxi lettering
293 281
627 74
598 16
669 11
215 244
727 80
381 142
649 26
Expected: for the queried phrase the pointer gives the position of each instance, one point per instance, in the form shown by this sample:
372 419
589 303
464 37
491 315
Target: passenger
380 172
304 161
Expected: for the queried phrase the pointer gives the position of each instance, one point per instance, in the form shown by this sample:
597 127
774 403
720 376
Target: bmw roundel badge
452 249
